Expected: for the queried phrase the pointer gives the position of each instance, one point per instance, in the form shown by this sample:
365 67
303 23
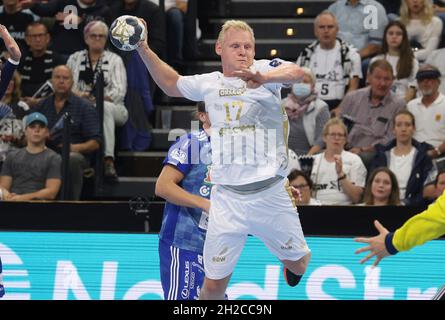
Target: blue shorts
182 272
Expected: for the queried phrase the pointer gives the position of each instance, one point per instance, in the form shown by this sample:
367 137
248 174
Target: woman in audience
398 52
301 186
422 25
86 65
339 176
307 115
382 189
407 158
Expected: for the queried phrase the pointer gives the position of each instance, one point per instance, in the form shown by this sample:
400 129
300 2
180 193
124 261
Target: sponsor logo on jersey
231 92
221 257
179 155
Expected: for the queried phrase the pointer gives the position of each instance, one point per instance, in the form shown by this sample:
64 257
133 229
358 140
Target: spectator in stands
86 65
307 116
186 187
353 18
335 63
382 188
368 112
424 29
439 10
32 172
398 52
11 128
339 176
429 110
141 90
38 63
181 18
67 32
407 158
435 58
301 186
85 128
434 191
16 21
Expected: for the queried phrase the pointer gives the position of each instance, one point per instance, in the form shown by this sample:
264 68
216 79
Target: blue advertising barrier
107 266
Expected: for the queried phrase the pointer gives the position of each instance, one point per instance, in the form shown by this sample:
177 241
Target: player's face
394 37
237 51
403 128
380 81
326 30
381 186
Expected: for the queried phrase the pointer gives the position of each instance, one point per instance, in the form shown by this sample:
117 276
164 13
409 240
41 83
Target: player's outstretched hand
376 245
253 79
10 44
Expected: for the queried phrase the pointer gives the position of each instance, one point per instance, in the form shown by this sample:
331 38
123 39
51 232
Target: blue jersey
183 227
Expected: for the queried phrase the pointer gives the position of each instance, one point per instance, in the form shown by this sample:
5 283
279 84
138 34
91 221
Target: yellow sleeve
425 226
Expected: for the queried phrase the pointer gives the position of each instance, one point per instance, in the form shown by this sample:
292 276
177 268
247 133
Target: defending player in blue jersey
184 182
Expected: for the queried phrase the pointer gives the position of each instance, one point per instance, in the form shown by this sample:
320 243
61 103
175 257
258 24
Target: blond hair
234 24
334 122
426 15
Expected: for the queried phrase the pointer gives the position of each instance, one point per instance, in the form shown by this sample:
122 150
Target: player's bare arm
10 44
285 73
167 187
164 75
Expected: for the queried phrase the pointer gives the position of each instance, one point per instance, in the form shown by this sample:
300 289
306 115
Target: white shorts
270 215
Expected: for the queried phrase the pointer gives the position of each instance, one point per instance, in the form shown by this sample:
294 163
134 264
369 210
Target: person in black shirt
37 66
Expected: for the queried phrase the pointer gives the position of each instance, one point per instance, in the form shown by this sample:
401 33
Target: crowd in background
369 114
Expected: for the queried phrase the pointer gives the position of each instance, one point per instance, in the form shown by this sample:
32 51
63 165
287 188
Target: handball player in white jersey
251 194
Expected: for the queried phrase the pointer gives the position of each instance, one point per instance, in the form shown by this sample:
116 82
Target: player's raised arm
285 73
164 75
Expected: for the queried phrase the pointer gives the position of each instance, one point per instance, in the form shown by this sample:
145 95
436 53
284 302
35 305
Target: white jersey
249 126
329 73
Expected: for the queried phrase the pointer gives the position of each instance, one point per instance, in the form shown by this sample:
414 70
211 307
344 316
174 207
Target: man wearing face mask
335 63
307 116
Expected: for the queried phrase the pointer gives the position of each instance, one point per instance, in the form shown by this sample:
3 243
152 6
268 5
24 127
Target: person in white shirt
398 52
429 110
251 194
422 25
339 176
335 63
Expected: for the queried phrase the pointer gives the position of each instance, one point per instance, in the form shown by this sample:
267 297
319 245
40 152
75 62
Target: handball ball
126 31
